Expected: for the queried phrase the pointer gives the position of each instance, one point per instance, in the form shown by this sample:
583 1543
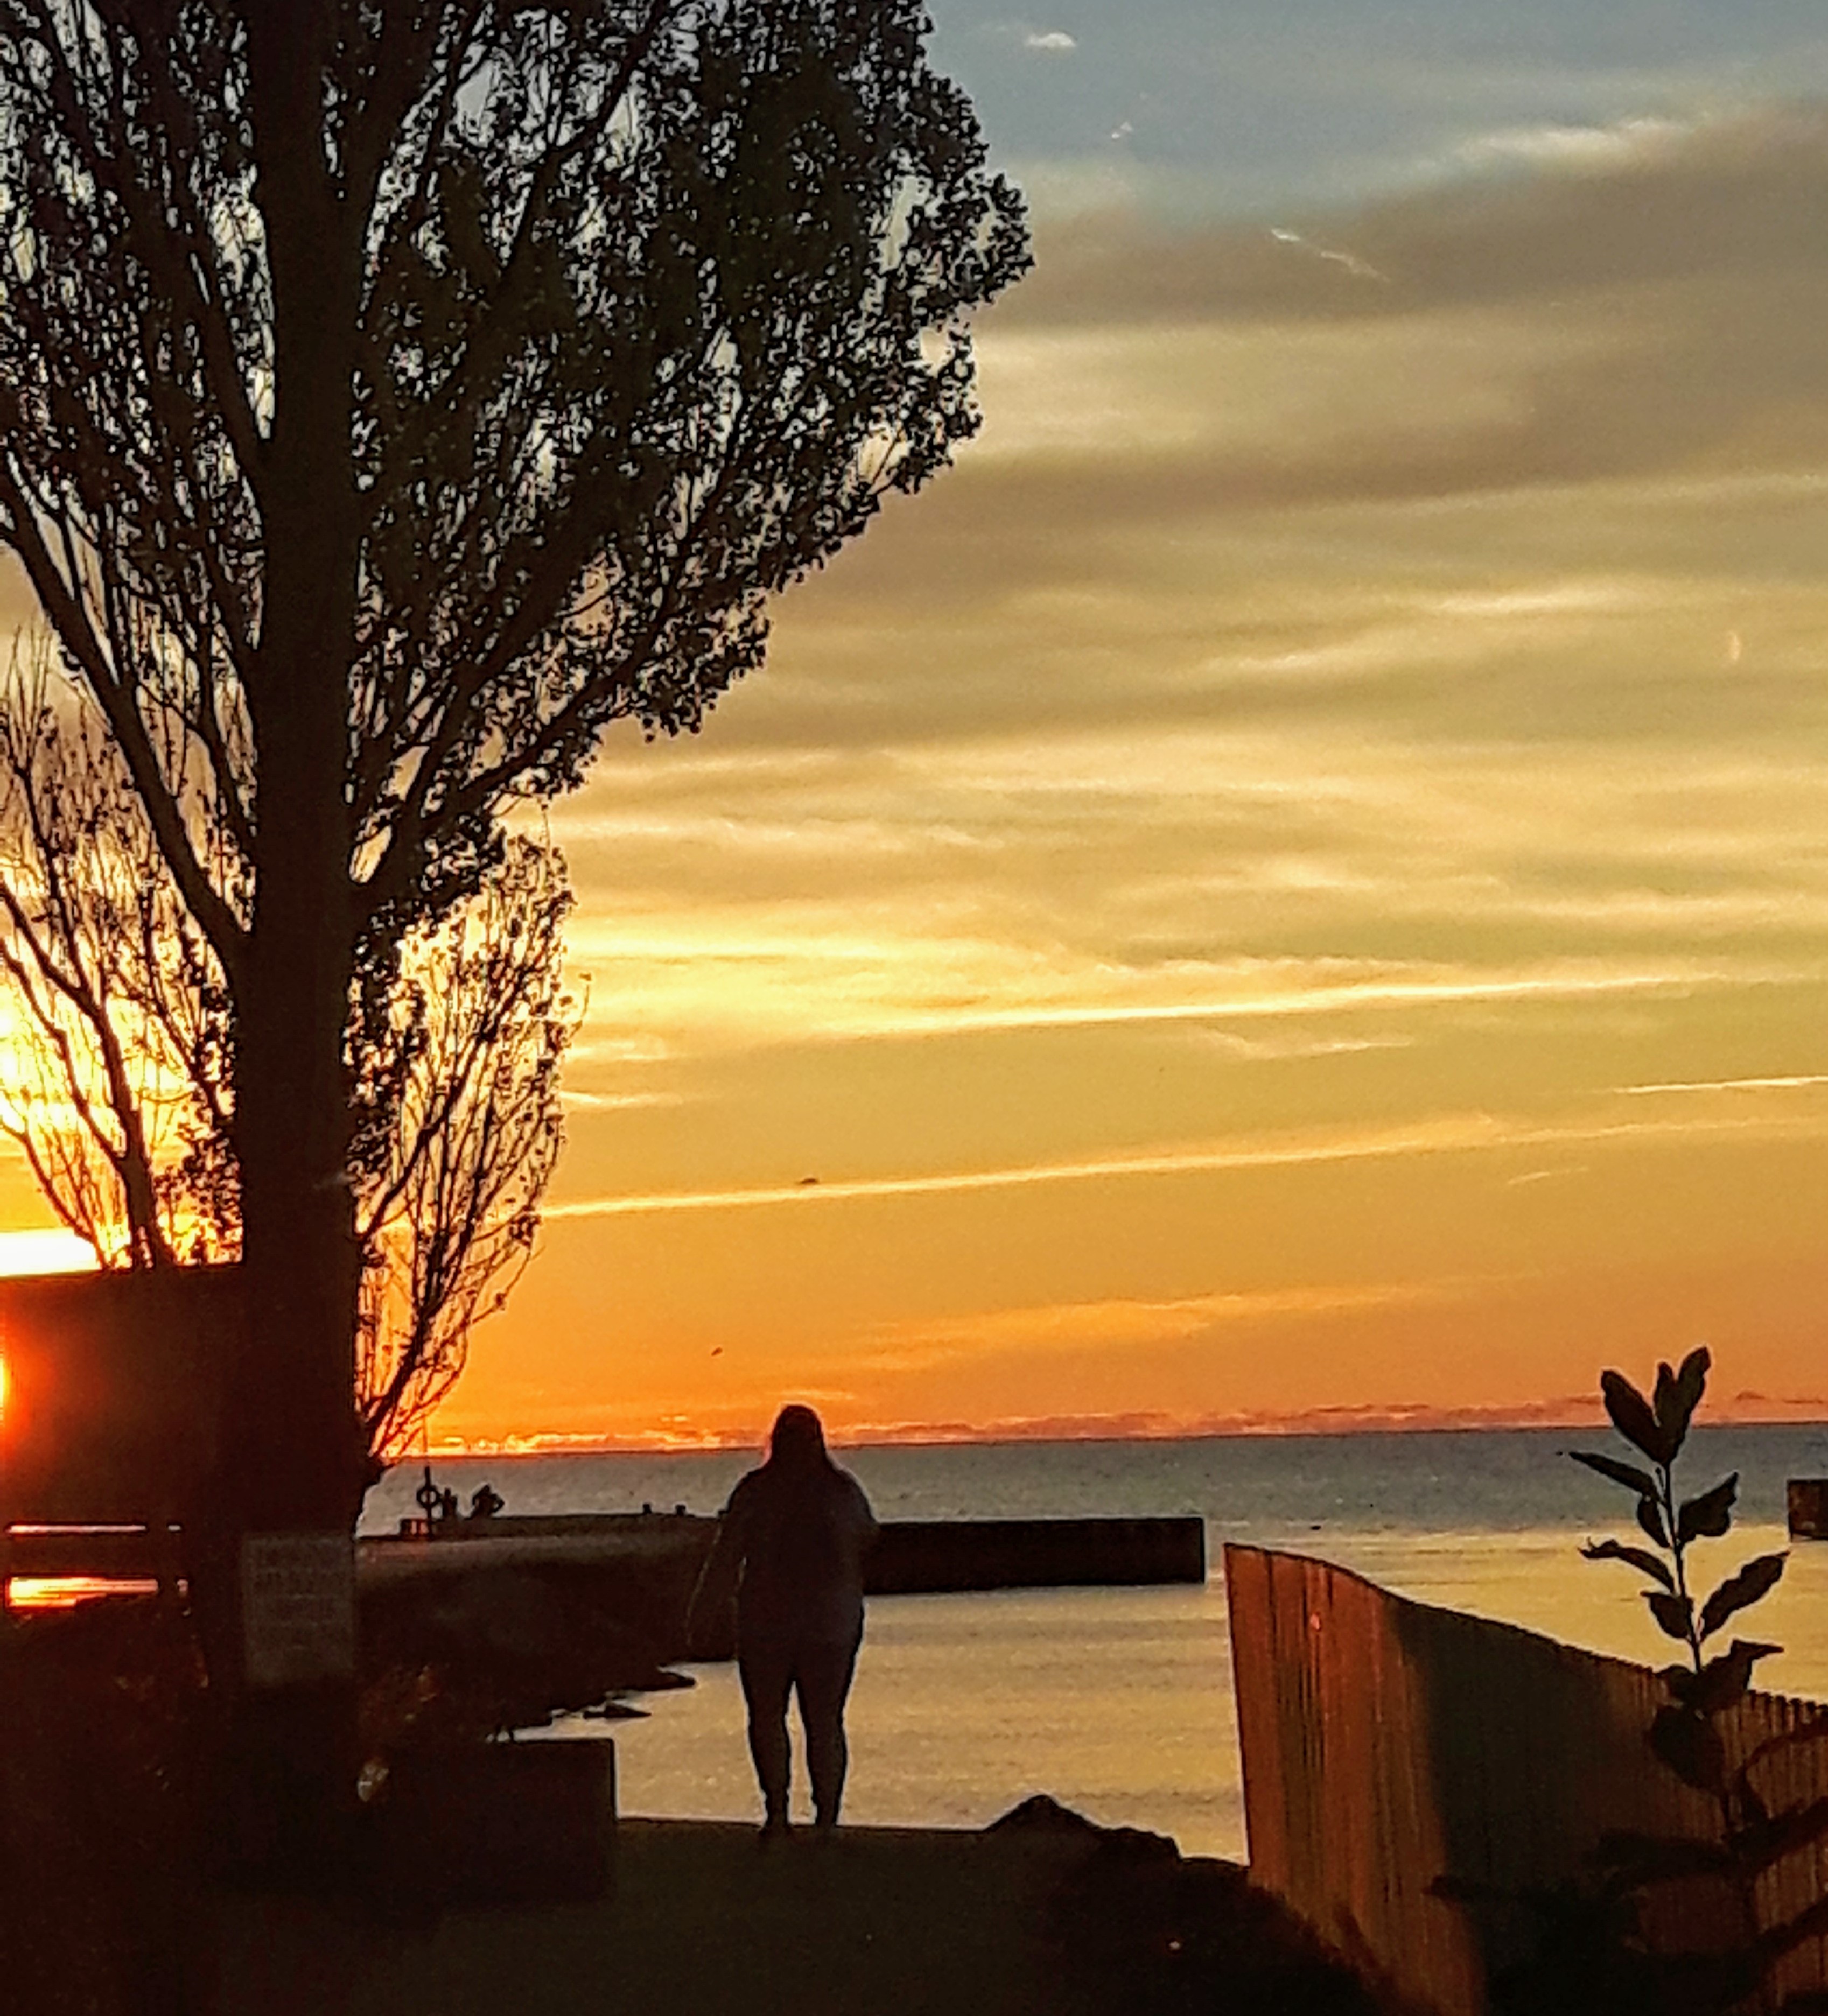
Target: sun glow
43 1252
65 1592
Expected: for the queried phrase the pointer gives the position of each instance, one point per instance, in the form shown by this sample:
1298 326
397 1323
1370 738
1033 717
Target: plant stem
1678 1548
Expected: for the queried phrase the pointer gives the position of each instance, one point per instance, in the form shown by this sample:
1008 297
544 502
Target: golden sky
1296 878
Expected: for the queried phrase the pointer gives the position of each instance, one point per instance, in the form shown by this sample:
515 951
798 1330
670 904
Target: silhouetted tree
396 392
114 1065
462 1128
118 1090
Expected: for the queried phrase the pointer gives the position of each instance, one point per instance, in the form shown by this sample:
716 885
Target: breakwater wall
551 1613
912 1557
1806 1503
933 1556
606 1595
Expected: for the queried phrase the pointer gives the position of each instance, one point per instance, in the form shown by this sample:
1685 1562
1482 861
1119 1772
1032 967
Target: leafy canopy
614 317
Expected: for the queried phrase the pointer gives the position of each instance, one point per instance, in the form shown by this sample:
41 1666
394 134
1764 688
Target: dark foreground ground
106 1909
872 1922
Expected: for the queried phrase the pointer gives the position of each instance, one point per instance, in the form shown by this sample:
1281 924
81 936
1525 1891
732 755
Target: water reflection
1118 1701
1537 1579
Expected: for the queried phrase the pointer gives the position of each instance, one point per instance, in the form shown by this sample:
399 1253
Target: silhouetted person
792 1540
447 1504
485 1501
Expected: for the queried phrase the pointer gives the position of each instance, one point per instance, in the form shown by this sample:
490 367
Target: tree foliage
394 395
462 1125
116 1084
118 1089
649 306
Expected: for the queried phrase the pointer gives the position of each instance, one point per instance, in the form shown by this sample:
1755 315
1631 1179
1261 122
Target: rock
462 1655
1149 1935
1041 1814
1140 1930
501 1614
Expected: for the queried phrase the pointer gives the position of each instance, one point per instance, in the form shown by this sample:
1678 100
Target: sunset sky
1295 877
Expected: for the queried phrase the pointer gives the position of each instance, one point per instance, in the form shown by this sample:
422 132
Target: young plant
1592 1954
1683 1734
1656 1428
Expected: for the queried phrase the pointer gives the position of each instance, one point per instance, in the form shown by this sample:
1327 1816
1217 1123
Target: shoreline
1576 1416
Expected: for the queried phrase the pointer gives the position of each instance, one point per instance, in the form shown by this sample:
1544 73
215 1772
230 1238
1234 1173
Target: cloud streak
1801 1082
1458 1135
1120 1324
1325 723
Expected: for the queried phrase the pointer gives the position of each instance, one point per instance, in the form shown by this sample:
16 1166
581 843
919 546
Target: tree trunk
293 1463
294 1440
293 1453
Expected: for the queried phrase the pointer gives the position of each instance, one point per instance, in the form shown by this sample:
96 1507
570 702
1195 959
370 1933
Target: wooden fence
1387 1744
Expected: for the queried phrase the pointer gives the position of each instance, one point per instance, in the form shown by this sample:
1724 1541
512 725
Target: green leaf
1691 1383
1795 1827
1709 1516
1755 1580
1690 1745
1652 1858
1645 1562
1640 1481
1650 1518
1674 1613
1722 1681
1677 1394
1631 1415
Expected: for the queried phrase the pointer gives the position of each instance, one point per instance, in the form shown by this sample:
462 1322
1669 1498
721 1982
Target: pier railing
1388 1745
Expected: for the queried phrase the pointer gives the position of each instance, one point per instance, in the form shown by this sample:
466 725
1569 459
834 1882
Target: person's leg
823 1671
767 1673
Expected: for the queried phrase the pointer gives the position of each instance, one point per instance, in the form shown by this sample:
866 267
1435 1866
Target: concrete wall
915 1556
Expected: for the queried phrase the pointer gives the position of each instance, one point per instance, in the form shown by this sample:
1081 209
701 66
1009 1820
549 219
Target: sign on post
298 1608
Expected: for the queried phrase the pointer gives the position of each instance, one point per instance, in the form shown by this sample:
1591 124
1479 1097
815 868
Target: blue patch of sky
1241 107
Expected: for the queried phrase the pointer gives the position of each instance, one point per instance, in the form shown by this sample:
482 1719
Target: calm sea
1118 1701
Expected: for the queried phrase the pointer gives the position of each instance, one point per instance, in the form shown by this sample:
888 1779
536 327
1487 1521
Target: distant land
1744 1409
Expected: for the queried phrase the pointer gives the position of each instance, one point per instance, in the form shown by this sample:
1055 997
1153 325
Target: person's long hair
796 1532
796 1445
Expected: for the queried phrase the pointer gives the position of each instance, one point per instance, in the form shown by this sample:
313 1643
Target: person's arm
867 1530
707 1614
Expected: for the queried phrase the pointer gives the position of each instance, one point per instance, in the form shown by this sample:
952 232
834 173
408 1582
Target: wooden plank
112 1392
1387 1743
142 1554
